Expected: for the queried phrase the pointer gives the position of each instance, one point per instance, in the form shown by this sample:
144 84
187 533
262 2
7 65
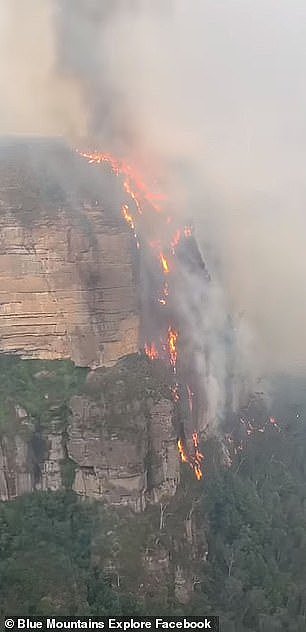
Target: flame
151 351
138 191
165 264
182 451
195 440
163 299
133 183
172 342
175 392
198 456
127 216
251 430
198 472
193 460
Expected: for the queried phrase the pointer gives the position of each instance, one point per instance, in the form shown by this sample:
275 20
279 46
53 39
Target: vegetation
123 392
46 564
255 573
42 388
62 555
244 557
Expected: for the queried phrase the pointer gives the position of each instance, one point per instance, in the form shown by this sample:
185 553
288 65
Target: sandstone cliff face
68 282
113 440
121 437
69 289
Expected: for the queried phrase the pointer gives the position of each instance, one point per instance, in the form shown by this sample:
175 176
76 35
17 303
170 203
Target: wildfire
127 216
172 342
163 300
194 460
274 423
164 263
198 456
182 452
142 197
252 430
133 183
151 351
195 440
175 393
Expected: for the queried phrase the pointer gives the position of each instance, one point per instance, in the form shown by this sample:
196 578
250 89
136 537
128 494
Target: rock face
122 440
68 270
69 290
113 441
117 467
16 471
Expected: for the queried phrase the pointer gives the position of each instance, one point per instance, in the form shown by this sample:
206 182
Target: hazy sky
214 93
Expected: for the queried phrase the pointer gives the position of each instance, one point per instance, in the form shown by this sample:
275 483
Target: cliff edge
68 267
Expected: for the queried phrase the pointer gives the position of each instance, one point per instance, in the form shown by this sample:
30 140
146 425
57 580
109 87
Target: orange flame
172 342
138 191
198 472
198 456
165 264
195 439
127 216
182 452
193 460
133 183
151 351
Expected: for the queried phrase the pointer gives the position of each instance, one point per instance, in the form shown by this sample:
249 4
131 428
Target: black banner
108 624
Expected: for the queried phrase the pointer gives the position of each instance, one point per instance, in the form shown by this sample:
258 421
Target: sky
209 94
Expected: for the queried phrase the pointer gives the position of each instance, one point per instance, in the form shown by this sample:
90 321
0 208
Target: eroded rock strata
112 439
68 273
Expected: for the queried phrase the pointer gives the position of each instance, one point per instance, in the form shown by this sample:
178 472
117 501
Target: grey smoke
212 96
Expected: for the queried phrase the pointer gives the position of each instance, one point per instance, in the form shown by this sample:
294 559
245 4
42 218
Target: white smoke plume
211 96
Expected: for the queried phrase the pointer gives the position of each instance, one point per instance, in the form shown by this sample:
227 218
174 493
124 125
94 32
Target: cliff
68 269
107 434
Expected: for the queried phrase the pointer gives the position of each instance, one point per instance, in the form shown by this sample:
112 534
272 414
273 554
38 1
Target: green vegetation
255 573
59 554
68 467
244 554
46 564
124 391
41 387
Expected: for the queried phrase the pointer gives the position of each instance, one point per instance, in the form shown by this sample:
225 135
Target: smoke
214 94
210 96
35 99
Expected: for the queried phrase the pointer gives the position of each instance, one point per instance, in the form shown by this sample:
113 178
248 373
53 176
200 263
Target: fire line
142 197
